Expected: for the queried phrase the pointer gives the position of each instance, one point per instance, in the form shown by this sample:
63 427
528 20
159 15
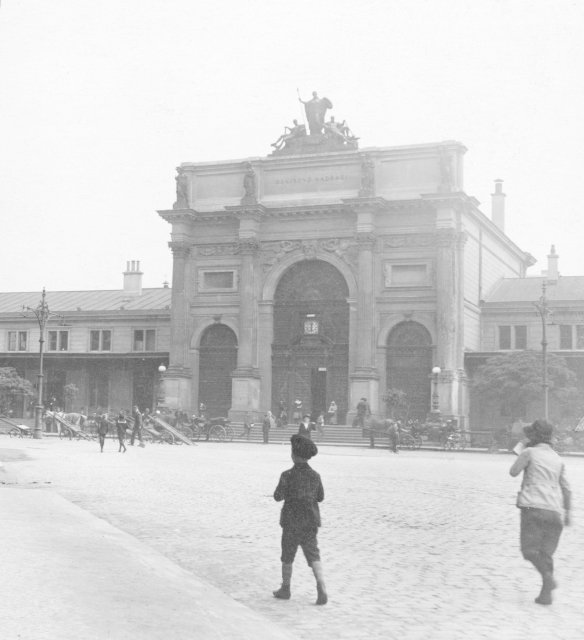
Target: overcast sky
100 101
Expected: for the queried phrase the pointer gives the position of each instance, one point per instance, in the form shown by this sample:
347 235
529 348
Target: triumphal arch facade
326 272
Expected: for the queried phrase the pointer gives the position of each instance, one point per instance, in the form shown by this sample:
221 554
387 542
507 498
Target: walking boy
544 497
301 489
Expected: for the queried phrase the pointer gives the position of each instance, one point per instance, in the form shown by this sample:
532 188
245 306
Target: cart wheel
167 437
65 433
229 432
217 432
15 433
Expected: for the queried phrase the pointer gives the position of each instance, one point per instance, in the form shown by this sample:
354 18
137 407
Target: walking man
137 428
544 503
121 426
301 490
102 429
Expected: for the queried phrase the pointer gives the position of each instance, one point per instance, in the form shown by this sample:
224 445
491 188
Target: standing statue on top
315 112
182 190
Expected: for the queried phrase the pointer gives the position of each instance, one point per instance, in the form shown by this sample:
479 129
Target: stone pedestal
176 388
245 396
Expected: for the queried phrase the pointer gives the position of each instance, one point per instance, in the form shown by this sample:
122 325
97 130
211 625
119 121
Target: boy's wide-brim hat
303 447
540 429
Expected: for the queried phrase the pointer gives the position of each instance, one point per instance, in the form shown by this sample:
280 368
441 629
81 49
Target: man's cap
303 447
306 416
539 430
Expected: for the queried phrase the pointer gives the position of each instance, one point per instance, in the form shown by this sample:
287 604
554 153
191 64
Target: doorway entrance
310 352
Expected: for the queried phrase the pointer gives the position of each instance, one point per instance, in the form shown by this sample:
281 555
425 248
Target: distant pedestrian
320 425
121 427
102 429
332 412
544 502
305 427
297 413
137 428
266 426
301 490
393 434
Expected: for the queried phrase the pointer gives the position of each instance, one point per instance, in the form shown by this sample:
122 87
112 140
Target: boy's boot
547 586
322 597
283 593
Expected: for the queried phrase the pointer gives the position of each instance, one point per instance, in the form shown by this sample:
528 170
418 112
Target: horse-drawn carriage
399 435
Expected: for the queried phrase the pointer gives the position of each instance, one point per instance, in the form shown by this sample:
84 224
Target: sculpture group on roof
328 134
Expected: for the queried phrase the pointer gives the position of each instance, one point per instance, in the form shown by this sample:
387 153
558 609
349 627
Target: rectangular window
521 337
580 336
17 340
406 275
58 341
565 336
505 337
144 340
100 340
218 279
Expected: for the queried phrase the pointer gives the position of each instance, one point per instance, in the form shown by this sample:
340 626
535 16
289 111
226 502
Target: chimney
133 278
498 205
552 273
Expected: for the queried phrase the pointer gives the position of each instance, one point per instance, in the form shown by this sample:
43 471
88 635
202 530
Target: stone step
333 434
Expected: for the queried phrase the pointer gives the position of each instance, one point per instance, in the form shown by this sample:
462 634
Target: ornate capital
180 250
365 239
446 238
247 246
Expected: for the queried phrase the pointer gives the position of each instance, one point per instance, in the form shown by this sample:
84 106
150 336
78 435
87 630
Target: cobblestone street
414 546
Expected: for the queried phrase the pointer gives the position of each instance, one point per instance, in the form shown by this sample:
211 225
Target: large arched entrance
409 364
310 352
217 360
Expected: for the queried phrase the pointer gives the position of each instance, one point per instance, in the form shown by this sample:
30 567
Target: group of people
305 423
122 425
544 502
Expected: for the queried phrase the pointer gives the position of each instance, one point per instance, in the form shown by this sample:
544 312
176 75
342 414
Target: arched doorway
217 360
310 352
409 364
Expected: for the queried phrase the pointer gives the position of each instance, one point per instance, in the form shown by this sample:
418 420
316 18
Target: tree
514 380
12 385
394 399
70 392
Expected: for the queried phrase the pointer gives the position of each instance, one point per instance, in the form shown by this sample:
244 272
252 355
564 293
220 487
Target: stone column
245 395
177 380
364 379
266 331
450 320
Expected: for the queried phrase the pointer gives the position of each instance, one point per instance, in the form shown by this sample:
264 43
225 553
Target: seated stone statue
297 131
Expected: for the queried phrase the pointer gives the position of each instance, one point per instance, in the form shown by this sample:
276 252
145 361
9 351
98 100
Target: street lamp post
544 312
42 315
435 406
161 395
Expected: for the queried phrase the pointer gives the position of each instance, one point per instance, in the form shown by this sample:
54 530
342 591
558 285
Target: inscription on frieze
409 240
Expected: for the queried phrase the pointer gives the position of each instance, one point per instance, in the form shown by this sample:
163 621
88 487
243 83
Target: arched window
218 359
409 365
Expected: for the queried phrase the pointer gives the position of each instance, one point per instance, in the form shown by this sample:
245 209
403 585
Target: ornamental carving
179 249
446 238
343 248
367 189
366 239
247 245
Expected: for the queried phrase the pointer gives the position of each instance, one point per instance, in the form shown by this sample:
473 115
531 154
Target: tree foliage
11 385
395 399
515 380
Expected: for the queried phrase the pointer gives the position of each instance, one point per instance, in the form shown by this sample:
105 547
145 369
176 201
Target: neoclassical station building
327 272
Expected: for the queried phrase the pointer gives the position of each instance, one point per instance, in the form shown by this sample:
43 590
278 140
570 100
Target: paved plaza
420 545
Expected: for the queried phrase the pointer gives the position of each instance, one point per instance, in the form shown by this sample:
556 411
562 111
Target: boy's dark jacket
301 489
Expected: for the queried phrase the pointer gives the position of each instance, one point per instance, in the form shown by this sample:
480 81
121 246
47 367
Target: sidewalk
69 575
